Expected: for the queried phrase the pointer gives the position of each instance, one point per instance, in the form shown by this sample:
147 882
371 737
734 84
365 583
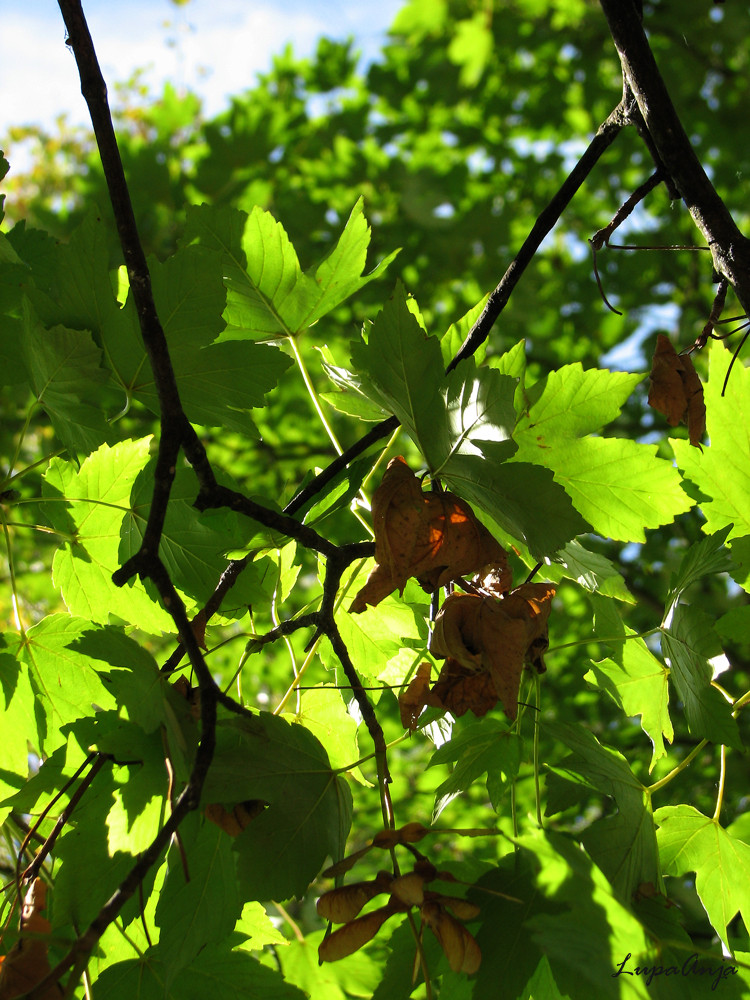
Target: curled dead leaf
486 641
676 390
27 964
434 537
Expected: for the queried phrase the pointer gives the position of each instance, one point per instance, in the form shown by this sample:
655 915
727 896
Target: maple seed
434 537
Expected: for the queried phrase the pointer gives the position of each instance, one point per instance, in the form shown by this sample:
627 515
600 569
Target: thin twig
605 136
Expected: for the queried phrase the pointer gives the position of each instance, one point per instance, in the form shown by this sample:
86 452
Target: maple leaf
676 390
27 964
486 641
434 537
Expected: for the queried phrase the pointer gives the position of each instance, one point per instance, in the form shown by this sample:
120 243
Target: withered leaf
434 537
676 390
27 964
486 642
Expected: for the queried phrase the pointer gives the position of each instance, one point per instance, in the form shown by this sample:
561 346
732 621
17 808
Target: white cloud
221 46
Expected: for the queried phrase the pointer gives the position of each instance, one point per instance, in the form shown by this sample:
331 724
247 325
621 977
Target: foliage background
455 139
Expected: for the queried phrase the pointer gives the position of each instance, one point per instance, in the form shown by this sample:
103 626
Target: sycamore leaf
722 470
204 909
523 499
676 390
571 402
404 369
634 678
691 842
434 537
309 806
59 361
688 643
268 294
622 845
618 485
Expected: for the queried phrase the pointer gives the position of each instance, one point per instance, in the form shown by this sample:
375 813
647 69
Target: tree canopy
376 519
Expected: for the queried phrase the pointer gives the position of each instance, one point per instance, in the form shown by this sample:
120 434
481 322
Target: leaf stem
722 779
538 708
12 575
604 640
677 770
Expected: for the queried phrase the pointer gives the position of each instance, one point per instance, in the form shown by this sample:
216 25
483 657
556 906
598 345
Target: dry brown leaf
434 537
486 642
26 964
676 390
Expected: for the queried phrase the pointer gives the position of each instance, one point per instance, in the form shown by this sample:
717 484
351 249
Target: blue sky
221 45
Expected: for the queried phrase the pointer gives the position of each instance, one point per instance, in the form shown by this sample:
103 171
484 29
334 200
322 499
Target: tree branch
605 136
730 249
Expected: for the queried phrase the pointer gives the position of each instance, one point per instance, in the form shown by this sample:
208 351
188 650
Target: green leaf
309 811
567 911
623 845
218 382
478 408
453 338
268 295
484 747
64 676
324 713
590 570
705 558
340 274
542 984
60 363
721 470
204 909
691 842
405 368
571 402
93 504
688 643
618 485
17 705
217 972
523 499
635 679
357 975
